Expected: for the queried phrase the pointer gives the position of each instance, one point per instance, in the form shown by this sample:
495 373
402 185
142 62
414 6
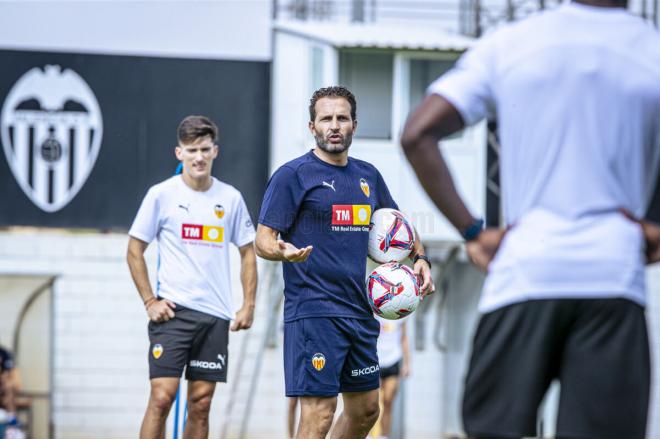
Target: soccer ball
393 291
391 236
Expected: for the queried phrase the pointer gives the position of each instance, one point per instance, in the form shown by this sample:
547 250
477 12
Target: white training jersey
576 94
389 347
194 229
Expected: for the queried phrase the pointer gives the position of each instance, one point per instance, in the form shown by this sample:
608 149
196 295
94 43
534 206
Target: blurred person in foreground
315 218
194 217
575 92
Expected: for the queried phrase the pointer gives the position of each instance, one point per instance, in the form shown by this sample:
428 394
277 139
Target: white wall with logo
214 29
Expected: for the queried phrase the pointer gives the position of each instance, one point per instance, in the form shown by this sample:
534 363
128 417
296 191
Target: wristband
423 258
149 301
473 231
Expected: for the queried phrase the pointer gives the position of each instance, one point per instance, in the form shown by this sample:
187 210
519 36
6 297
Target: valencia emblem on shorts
157 351
365 187
219 211
318 361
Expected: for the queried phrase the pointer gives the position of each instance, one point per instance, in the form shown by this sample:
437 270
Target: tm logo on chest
346 215
197 232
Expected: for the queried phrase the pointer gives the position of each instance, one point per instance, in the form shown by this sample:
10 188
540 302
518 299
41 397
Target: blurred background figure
394 362
9 381
10 384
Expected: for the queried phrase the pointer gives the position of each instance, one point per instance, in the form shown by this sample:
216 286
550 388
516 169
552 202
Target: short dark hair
195 127
336 91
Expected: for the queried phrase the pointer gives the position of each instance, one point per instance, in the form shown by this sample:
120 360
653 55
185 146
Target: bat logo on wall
51 129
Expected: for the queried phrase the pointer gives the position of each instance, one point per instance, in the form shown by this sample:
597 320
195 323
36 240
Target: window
369 76
422 73
317 69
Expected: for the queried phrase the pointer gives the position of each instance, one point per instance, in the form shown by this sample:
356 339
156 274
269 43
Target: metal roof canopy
376 35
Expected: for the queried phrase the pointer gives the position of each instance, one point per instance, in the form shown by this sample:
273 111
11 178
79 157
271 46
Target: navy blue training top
311 202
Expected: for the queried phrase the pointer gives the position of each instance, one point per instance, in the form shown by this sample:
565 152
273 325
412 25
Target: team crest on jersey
318 361
51 129
219 211
157 351
365 187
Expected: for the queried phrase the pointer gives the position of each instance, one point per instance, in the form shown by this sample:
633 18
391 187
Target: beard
333 148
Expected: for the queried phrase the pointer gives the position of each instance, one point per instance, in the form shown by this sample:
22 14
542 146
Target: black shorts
192 339
598 350
391 371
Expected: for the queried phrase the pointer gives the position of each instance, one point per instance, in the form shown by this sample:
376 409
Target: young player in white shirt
194 217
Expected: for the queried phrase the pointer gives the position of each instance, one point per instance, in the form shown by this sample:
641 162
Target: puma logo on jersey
330 185
181 206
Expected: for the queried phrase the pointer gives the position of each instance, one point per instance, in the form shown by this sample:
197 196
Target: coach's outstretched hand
482 250
161 310
244 318
293 254
423 273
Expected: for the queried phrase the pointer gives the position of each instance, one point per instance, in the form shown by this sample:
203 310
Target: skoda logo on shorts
51 129
157 351
318 361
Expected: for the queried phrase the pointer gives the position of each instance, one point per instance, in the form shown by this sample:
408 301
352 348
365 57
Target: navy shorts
324 356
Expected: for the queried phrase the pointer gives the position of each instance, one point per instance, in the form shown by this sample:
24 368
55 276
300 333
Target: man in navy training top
320 205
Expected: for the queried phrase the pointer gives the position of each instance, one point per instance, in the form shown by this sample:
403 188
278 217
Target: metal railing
469 17
367 11
478 17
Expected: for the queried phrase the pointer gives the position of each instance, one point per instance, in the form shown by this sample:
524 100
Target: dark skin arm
434 119
651 231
